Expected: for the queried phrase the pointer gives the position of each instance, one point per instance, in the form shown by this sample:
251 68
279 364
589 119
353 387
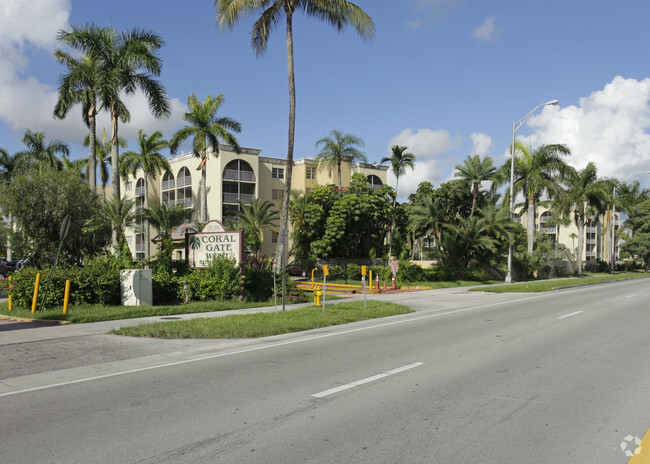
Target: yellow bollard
36 284
9 302
317 295
66 297
370 278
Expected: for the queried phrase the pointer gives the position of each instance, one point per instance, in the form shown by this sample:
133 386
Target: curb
23 319
598 283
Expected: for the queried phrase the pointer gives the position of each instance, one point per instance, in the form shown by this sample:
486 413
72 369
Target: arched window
238 184
184 188
168 189
375 182
139 194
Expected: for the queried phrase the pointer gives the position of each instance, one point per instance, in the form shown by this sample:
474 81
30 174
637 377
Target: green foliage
220 281
38 202
292 293
639 223
167 288
549 258
258 284
353 272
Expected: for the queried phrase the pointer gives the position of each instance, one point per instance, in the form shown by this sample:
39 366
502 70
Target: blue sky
445 77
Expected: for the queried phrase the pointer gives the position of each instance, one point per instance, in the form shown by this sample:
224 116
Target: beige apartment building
231 177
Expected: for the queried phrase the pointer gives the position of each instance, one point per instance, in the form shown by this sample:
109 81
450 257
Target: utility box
137 287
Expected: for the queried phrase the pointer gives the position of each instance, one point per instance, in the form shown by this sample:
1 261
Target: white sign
213 242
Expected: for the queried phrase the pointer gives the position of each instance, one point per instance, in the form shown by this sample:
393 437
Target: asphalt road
560 377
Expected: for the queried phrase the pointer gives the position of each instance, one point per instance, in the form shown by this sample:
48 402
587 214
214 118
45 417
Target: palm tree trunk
531 224
292 125
392 223
338 165
204 194
92 156
115 154
474 197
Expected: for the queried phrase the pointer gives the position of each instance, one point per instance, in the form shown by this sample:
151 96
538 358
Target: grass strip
550 285
266 324
97 313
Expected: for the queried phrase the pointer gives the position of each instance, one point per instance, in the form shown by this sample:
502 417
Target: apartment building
231 177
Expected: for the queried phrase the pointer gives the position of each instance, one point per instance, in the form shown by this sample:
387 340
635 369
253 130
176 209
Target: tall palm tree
103 158
206 129
40 153
125 63
256 218
399 160
426 217
338 13
337 147
79 85
472 235
586 195
476 170
151 162
538 171
115 214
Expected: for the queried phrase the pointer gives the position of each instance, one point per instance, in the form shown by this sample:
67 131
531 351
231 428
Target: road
558 377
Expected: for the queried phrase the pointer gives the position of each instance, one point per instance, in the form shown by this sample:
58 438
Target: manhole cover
169 318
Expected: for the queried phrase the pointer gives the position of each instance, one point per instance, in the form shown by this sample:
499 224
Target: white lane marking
265 347
366 380
569 315
630 296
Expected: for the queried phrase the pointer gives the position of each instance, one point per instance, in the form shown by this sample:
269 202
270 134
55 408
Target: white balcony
235 197
233 174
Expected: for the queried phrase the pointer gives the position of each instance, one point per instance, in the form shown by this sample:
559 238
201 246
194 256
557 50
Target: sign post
363 280
326 272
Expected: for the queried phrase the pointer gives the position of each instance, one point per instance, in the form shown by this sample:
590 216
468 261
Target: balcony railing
168 184
234 197
233 174
183 181
139 247
590 241
591 229
590 254
547 230
139 191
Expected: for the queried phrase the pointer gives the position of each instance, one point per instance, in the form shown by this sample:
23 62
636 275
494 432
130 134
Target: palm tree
537 172
476 170
10 165
471 233
586 195
151 163
40 153
256 218
426 218
338 13
80 85
125 63
74 165
165 219
399 160
206 129
103 158
115 214
336 147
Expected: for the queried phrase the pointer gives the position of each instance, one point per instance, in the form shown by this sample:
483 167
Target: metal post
512 188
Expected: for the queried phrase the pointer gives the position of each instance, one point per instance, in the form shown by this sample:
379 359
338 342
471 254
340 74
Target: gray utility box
137 287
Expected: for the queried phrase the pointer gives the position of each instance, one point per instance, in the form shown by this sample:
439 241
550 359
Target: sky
447 78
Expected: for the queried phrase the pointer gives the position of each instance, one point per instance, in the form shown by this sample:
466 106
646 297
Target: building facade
231 177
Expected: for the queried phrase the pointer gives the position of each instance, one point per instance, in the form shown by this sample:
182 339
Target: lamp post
613 246
515 127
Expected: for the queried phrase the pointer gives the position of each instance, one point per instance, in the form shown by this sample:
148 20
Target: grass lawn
266 324
435 284
549 285
97 313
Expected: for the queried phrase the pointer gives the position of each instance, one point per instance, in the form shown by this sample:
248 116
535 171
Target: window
277 173
277 194
168 190
374 181
311 172
274 237
238 183
139 195
184 187
129 186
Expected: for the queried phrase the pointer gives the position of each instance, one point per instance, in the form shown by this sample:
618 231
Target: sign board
284 237
363 270
215 241
326 271
394 266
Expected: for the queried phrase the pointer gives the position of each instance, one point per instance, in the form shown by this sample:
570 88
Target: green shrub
258 285
382 271
98 282
221 281
336 272
167 289
409 272
353 272
293 293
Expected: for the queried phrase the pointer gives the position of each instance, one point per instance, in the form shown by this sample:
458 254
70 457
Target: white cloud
31 25
425 170
487 31
425 143
482 143
431 12
609 127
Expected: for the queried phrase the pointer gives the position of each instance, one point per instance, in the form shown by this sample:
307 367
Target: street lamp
613 246
515 127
